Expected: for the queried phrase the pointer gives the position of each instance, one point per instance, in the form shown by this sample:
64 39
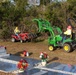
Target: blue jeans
18 35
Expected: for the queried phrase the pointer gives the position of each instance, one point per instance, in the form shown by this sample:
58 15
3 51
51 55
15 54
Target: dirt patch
2 73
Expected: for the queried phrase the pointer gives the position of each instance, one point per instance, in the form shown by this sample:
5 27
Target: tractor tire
67 47
29 40
13 40
51 48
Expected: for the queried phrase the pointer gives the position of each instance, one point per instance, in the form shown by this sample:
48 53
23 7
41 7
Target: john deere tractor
56 37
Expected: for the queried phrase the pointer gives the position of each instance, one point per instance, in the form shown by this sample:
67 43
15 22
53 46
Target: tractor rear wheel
67 47
51 48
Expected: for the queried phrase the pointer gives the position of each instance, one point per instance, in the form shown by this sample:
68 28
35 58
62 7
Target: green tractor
56 37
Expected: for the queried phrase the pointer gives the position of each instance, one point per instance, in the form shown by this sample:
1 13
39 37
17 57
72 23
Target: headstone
3 52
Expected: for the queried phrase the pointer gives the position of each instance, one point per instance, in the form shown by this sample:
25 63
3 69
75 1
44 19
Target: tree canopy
19 13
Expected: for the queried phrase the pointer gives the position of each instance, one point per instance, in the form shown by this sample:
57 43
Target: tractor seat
73 34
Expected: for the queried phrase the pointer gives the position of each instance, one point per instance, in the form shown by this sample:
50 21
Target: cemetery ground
35 48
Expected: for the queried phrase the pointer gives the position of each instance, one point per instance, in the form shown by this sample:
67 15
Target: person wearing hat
68 32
